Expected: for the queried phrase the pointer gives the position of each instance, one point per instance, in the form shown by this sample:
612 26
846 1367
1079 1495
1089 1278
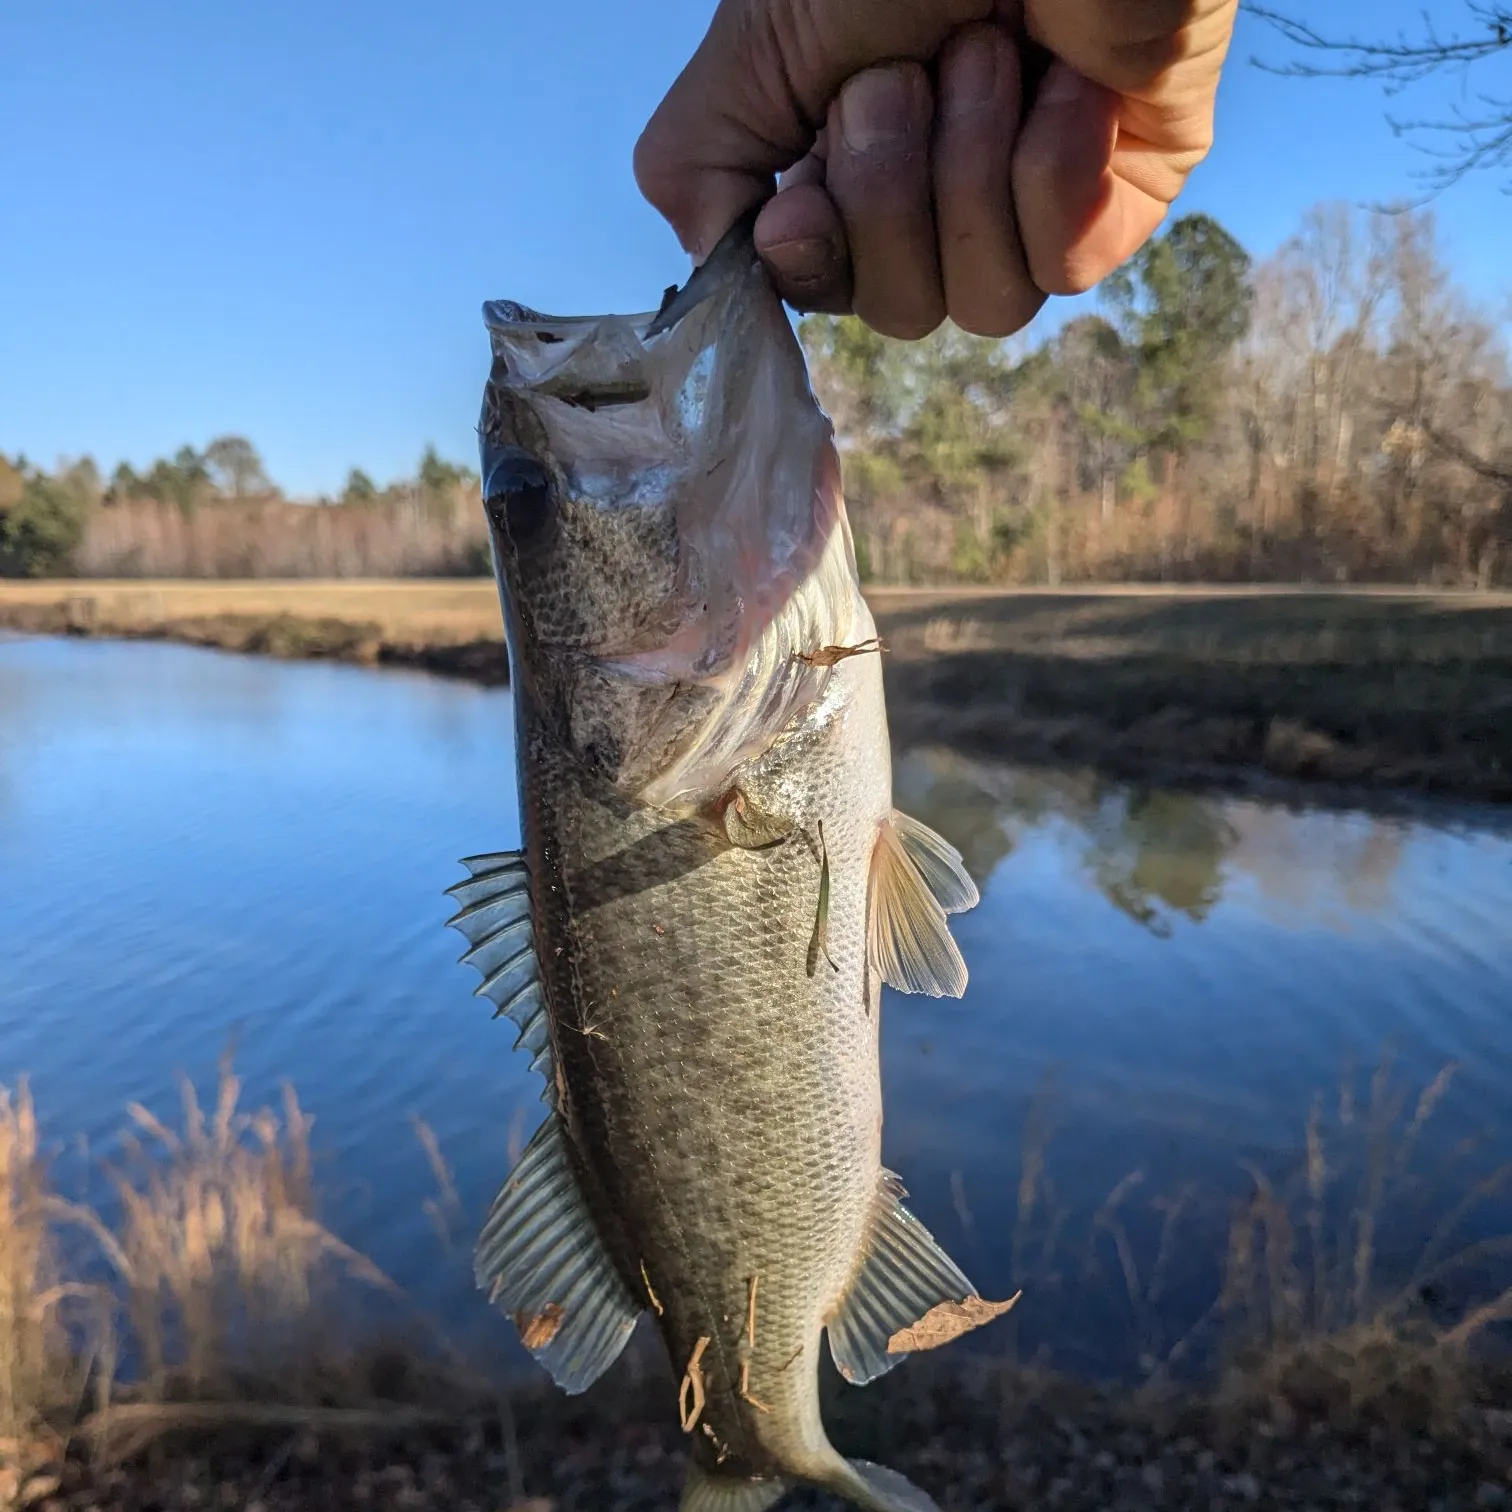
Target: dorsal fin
908 939
496 920
541 1260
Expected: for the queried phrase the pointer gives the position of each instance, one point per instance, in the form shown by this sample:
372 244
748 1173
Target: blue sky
281 218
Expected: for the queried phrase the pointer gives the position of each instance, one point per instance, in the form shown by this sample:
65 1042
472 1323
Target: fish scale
713 886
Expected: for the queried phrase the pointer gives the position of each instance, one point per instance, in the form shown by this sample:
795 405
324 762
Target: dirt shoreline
1333 693
974 1437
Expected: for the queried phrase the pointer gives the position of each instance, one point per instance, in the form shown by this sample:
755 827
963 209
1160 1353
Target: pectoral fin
939 863
908 938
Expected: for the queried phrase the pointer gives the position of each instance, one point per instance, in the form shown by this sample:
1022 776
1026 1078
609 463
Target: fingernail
808 262
1062 86
878 109
973 78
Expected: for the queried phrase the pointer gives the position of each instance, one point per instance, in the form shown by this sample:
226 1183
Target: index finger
753 96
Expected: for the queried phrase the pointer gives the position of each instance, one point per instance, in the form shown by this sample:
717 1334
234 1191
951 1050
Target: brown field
446 610
1396 689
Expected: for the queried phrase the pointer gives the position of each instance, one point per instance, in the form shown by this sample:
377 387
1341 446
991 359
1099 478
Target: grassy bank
450 626
1369 689
213 1344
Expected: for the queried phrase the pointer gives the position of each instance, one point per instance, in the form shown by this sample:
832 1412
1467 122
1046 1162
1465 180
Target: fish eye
517 495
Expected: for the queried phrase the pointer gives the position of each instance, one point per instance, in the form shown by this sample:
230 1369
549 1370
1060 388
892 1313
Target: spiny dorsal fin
495 918
908 938
939 863
541 1260
903 1275
708 1491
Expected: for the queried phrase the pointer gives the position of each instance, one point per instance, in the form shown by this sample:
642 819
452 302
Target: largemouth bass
713 887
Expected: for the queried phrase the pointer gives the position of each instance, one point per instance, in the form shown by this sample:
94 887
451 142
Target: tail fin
708 1492
871 1487
878 1489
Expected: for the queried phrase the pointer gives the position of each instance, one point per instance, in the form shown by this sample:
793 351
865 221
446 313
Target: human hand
917 184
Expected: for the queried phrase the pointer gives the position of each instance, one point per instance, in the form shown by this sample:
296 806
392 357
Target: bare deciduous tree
1464 140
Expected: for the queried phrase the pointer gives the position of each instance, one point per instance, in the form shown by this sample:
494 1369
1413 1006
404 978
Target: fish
712 887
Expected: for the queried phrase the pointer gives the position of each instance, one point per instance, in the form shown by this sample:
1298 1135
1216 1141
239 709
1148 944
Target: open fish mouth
727 558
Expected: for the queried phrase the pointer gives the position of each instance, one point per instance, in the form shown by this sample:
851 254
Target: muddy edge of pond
1333 694
974 1437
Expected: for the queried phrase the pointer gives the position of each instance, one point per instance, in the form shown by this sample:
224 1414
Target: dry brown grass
39 1373
448 611
223 1261
1233 626
1307 1325
1263 623
231 1300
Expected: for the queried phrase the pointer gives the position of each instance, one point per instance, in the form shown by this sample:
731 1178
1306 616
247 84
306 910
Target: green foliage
864 369
12 481
184 481
360 489
438 476
41 530
235 466
972 558
1136 482
1181 305
920 420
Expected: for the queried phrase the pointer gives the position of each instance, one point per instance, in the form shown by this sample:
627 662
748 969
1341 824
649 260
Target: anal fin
903 1277
541 1260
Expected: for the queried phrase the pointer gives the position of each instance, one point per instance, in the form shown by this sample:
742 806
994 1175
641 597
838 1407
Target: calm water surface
196 847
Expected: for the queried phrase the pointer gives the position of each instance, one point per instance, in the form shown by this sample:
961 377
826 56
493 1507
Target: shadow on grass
1368 692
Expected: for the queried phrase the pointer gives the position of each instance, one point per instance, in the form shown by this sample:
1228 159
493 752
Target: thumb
753 97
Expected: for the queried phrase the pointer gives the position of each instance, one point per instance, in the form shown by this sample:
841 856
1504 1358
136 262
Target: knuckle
655 176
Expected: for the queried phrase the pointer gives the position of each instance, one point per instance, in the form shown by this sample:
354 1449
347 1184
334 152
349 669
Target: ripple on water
195 846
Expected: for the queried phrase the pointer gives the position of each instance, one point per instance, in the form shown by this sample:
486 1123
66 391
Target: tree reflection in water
1158 855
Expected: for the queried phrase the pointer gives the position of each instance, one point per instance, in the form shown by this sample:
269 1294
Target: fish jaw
665 514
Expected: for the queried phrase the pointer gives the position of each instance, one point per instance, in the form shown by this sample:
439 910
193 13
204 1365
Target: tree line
1339 412
216 513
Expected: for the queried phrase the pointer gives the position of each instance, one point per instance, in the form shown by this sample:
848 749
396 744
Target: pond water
196 848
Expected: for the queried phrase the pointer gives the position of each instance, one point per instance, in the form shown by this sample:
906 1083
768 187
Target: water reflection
265 847
1160 854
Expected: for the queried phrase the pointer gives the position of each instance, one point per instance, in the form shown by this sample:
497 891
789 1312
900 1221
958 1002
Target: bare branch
1457 451
1468 141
